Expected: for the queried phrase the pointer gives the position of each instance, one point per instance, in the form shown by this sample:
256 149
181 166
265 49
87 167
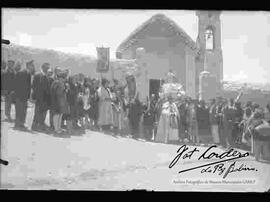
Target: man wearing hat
41 95
22 90
8 87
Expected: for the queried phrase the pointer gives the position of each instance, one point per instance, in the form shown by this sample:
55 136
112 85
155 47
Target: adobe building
167 47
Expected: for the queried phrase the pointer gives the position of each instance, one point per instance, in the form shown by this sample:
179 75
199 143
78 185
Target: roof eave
126 43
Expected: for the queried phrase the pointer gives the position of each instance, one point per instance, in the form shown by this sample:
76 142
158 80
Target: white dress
166 131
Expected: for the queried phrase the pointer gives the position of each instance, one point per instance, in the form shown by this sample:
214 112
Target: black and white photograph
123 99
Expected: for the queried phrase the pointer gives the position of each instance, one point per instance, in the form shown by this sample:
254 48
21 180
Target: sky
245 34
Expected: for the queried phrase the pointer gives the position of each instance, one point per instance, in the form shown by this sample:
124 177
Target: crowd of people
78 103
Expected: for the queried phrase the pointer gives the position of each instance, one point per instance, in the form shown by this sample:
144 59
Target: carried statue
171 87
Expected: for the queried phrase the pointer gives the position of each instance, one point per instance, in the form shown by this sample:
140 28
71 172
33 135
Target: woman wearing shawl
124 122
115 106
168 123
94 104
59 100
105 118
86 106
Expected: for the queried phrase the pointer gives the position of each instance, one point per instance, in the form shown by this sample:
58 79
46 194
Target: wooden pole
112 70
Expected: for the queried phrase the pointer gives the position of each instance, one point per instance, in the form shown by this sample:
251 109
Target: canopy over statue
171 87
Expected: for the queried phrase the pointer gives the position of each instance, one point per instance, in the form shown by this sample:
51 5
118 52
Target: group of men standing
225 118
16 88
19 85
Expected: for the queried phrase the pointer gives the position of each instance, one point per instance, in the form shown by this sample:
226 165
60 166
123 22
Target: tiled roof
158 17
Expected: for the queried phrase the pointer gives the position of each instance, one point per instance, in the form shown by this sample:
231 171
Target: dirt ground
96 161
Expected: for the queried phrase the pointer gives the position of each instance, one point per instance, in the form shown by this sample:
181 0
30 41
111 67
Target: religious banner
103 59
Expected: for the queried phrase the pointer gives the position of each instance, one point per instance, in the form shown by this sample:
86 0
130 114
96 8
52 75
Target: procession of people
76 103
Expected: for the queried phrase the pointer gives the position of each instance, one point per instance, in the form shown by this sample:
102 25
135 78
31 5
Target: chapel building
169 48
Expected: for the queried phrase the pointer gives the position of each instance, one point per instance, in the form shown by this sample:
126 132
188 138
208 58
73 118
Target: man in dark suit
8 87
41 95
22 90
50 79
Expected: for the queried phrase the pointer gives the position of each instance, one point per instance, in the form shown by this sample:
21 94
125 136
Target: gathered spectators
77 103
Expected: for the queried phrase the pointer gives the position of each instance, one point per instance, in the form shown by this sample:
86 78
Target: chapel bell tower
209 43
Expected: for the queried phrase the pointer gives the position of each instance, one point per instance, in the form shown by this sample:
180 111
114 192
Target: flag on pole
103 59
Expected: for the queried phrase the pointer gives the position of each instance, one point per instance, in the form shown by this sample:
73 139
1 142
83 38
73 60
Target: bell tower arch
209 42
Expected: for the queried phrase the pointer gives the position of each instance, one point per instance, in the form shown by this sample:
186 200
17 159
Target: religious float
171 92
171 88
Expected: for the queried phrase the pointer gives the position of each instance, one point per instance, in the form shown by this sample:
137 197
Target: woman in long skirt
124 122
60 103
168 123
94 104
116 113
105 118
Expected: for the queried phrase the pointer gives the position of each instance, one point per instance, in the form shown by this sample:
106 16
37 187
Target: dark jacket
219 115
22 85
50 79
93 112
59 97
8 80
135 112
213 115
203 118
183 114
239 112
72 94
229 113
41 89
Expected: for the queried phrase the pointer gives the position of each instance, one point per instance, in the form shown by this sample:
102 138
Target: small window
209 39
